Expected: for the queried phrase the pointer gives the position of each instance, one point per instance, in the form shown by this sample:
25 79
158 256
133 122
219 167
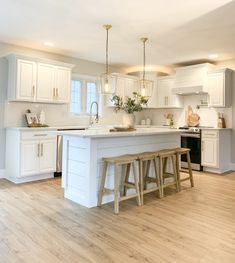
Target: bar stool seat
164 156
179 152
126 162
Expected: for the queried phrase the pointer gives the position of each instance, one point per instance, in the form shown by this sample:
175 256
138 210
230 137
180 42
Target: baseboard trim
232 166
2 173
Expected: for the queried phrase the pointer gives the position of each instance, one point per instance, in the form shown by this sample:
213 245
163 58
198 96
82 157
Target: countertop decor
130 105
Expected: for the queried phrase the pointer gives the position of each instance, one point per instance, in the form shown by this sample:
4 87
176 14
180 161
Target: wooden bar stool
145 160
126 162
179 152
164 156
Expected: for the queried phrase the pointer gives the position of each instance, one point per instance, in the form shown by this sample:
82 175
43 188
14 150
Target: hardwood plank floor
196 225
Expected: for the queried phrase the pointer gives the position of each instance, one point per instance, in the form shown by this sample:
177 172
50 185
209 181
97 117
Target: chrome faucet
97 113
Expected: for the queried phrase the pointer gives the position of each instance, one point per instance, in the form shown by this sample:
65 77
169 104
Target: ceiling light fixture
213 56
145 86
107 80
49 44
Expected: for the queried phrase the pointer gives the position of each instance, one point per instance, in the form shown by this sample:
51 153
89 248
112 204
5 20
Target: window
75 101
83 93
91 95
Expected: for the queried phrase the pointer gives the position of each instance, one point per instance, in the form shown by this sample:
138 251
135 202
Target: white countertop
146 127
48 128
101 133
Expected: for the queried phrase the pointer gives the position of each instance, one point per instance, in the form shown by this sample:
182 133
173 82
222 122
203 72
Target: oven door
193 142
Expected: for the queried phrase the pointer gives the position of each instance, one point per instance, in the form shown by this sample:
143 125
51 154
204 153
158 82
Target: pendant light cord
144 60
107 49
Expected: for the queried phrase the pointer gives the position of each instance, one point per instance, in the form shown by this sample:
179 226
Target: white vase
128 119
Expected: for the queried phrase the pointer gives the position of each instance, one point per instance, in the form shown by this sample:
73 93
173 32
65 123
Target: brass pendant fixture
107 80
145 87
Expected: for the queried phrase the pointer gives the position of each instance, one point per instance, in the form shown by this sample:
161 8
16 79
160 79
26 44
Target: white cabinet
62 84
219 88
30 155
215 150
125 86
210 152
45 82
47 156
33 80
165 98
29 158
24 80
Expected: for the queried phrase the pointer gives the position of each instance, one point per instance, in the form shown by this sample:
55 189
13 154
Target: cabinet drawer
37 135
210 134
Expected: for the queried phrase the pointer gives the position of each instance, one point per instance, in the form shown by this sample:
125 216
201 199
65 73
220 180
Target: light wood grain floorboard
196 225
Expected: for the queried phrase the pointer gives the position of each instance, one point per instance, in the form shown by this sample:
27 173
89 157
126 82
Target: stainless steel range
191 138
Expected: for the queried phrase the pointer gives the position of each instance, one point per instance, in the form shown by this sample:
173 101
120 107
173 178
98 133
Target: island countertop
102 133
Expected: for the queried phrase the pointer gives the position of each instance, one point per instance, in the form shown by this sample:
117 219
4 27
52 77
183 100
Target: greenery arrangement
131 104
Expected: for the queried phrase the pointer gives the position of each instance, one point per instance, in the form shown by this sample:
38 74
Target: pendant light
107 80
145 87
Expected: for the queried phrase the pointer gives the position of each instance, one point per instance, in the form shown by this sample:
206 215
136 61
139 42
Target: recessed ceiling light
49 44
213 56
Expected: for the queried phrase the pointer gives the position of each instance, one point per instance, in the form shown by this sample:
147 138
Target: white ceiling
178 30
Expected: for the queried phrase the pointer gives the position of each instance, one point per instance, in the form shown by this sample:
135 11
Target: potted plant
130 105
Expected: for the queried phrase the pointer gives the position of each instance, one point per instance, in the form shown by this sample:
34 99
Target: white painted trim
232 166
2 173
32 178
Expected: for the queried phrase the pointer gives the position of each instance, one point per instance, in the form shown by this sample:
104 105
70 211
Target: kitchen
198 88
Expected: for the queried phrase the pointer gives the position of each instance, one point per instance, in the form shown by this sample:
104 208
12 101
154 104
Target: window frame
84 79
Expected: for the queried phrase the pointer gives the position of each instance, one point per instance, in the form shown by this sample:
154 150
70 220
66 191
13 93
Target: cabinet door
45 82
163 91
62 84
210 152
29 158
26 80
47 156
216 89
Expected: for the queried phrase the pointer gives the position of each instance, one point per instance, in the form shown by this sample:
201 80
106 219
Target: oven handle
191 135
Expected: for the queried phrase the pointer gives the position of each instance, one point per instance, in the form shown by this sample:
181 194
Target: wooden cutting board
122 129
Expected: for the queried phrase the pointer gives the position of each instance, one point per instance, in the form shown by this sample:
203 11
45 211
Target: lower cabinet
30 155
216 150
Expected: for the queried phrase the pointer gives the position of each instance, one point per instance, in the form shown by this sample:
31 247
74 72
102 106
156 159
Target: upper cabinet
165 98
125 86
219 88
35 81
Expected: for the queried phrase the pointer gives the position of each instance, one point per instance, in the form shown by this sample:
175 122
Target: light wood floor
196 225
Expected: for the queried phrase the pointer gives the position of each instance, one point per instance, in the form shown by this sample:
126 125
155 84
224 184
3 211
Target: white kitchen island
83 152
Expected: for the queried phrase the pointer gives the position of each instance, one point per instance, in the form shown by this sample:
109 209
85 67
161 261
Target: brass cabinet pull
53 92
33 91
38 149
41 149
57 93
40 134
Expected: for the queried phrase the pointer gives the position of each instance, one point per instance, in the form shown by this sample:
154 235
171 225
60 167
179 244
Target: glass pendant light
145 87
107 80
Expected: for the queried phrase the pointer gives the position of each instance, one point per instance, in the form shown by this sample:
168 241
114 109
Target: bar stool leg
190 169
125 178
178 169
136 184
161 175
157 178
141 181
116 189
175 172
102 183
